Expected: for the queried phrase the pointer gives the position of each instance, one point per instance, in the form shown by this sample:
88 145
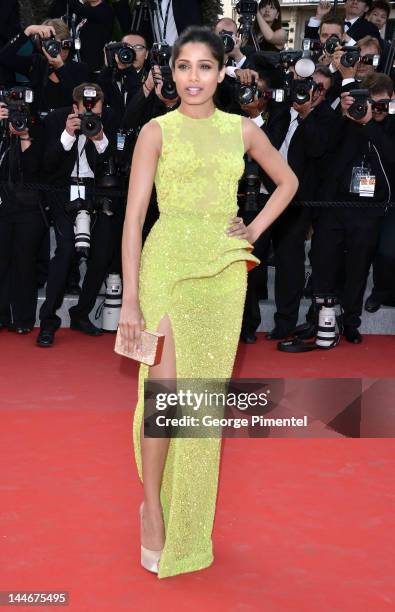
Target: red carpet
301 525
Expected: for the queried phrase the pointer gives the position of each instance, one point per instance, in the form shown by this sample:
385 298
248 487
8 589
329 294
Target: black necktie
347 23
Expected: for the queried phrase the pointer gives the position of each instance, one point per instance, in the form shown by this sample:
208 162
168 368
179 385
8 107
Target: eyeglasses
137 47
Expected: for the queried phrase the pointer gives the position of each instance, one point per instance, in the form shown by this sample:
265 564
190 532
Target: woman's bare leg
154 452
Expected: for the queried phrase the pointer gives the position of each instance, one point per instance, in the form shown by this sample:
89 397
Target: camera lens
52 47
126 55
228 42
91 125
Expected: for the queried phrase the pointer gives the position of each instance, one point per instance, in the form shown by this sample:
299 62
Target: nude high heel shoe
149 558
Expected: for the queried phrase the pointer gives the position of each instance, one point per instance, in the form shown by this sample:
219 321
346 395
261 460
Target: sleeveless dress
196 274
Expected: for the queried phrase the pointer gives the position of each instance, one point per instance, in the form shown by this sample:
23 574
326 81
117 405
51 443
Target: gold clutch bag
151 348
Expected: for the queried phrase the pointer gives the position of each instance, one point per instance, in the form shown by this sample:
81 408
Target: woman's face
196 73
269 13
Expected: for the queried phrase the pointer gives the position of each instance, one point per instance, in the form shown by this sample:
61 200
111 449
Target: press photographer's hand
73 124
55 62
42 31
347 73
247 76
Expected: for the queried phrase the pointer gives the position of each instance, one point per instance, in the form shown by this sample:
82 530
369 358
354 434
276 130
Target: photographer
379 15
381 90
269 32
77 140
303 135
150 101
355 25
94 27
346 238
120 79
252 197
22 221
53 75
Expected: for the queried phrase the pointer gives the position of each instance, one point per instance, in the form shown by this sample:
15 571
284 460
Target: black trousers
384 262
21 234
288 236
59 267
256 279
344 238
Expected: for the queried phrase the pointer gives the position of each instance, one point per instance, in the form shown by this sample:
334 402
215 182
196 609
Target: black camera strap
166 18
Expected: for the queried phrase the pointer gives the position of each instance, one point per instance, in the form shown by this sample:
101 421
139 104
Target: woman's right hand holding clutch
131 324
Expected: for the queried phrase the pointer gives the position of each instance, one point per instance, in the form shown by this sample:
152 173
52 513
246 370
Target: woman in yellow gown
189 283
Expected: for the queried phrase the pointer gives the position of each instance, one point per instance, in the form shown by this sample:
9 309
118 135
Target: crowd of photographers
72 102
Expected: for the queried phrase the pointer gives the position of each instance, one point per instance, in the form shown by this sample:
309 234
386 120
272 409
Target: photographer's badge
357 173
120 141
367 184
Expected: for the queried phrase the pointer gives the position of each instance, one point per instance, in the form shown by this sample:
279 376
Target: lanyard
165 20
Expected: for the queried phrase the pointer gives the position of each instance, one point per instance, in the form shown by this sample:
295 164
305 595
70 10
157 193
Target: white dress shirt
85 171
291 130
171 29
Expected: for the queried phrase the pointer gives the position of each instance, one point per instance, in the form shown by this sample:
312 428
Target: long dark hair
200 34
277 23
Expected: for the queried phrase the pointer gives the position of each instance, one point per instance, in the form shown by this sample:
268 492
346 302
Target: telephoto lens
82 233
326 336
112 303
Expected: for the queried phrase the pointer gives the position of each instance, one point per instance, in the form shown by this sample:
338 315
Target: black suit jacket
309 144
351 143
360 28
58 163
113 96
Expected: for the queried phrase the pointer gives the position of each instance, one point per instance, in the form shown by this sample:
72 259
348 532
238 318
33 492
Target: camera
359 107
331 44
91 123
121 51
18 100
370 59
160 56
384 106
53 47
246 94
228 40
315 45
247 7
298 90
350 56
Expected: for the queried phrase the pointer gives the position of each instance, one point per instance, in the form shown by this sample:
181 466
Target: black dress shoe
45 338
305 331
277 334
352 335
85 326
22 329
372 304
248 338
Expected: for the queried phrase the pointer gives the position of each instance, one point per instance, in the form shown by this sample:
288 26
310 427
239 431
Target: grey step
380 322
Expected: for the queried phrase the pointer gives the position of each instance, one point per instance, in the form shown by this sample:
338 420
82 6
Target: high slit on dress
197 275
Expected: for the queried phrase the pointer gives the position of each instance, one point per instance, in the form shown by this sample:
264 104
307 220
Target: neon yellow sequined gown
196 274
